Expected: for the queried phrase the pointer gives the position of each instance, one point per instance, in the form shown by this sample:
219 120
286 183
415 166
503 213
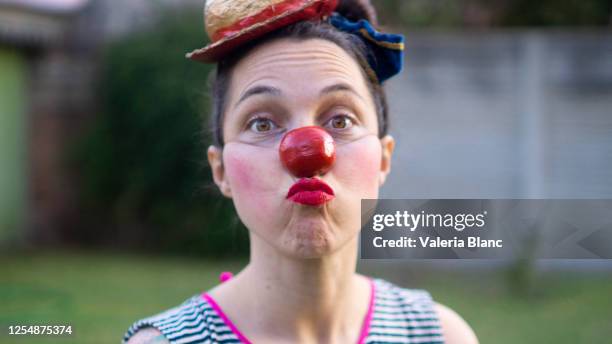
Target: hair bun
358 9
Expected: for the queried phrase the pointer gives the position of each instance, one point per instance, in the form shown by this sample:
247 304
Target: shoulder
178 322
422 315
455 329
407 313
391 295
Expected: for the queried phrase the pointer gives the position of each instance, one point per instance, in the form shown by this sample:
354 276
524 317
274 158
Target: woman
301 137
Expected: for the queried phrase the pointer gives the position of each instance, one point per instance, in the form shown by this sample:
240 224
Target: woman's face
288 84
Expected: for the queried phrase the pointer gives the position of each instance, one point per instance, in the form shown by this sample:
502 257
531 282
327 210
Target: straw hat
230 23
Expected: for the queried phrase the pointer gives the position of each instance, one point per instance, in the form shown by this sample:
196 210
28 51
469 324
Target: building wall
510 114
13 156
60 42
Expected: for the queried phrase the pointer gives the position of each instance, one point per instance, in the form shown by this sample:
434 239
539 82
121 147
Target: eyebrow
341 87
259 90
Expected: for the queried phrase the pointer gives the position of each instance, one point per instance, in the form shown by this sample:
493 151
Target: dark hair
353 10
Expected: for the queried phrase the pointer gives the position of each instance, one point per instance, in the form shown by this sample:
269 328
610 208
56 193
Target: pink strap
226 320
225 276
365 328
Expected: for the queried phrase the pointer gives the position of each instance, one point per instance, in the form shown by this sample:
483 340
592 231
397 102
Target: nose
307 151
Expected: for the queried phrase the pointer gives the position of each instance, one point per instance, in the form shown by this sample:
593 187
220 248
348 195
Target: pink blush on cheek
358 165
254 176
238 172
252 169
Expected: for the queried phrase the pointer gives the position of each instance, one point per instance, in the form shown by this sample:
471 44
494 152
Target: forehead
298 66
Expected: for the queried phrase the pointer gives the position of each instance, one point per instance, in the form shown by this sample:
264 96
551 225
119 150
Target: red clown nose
307 151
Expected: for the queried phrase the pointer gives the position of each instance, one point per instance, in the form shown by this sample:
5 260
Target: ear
215 160
388 145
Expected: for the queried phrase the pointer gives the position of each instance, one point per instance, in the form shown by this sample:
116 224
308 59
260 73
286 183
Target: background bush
145 181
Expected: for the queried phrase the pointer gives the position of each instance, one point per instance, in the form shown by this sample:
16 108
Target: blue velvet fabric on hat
387 50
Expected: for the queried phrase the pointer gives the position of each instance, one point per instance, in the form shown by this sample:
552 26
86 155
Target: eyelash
345 115
252 122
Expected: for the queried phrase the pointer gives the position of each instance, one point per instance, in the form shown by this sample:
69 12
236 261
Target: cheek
358 167
254 175
240 174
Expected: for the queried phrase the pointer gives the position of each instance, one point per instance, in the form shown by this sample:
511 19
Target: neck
310 285
302 300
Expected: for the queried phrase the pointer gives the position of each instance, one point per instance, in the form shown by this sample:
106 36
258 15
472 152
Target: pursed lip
310 191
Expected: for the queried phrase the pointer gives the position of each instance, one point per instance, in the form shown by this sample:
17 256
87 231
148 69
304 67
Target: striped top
395 315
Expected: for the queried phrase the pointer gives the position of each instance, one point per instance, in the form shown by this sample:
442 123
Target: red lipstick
310 191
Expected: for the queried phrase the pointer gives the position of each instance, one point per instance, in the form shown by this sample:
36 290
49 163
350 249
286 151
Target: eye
262 125
340 122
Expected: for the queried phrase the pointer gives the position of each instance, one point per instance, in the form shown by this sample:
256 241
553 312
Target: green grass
562 310
100 295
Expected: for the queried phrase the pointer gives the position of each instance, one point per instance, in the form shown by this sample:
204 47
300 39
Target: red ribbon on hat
273 11
251 26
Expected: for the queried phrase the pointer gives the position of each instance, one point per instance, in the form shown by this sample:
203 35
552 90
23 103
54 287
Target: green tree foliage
499 13
145 179
558 13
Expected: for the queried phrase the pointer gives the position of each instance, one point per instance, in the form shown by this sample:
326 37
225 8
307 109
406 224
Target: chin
308 239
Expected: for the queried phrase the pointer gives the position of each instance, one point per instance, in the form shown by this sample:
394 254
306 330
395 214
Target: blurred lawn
101 295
